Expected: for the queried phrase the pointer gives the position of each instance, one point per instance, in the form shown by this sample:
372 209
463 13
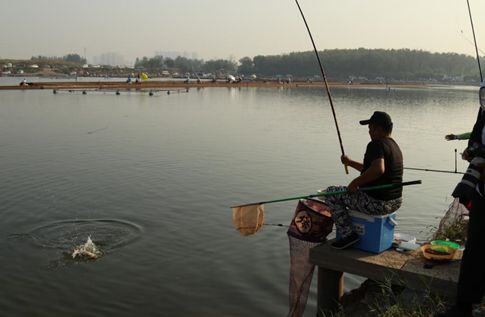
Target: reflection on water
173 166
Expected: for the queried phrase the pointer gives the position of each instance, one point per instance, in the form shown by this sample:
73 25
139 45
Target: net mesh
248 219
454 223
301 273
311 224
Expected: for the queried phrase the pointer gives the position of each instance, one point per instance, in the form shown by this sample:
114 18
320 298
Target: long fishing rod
475 40
438 171
322 194
326 84
432 170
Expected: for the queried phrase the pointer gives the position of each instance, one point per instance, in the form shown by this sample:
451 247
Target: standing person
471 282
383 164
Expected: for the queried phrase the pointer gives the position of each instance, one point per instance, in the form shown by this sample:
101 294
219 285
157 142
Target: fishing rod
438 171
323 194
432 170
249 218
326 84
475 40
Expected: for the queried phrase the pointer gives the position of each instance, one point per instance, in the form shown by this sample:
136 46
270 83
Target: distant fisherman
471 282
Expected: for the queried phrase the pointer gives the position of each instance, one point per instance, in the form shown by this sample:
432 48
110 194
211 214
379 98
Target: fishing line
475 40
276 225
470 41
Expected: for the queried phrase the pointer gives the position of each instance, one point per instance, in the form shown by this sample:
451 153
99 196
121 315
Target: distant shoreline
171 84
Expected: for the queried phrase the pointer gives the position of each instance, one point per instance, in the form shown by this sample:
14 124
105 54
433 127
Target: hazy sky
224 28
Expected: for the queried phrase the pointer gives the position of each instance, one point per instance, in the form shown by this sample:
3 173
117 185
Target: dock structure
400 268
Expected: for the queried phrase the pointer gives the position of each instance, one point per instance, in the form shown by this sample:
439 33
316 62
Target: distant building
175 54
111 59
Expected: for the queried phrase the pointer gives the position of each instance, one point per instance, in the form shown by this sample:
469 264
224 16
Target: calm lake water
151 179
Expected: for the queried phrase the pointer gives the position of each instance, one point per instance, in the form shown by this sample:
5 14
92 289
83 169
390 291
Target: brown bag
311 222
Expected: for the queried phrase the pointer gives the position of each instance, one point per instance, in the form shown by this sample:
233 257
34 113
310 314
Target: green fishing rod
323 194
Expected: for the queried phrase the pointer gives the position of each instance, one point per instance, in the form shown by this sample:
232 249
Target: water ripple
109 234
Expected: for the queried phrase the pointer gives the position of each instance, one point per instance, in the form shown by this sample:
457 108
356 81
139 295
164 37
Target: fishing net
301 273
248 219
454 223
311 224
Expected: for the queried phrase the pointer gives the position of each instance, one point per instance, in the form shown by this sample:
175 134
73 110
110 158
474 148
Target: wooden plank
441 279
396 267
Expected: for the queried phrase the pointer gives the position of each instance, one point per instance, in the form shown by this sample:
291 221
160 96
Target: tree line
70 58
186 65
340 64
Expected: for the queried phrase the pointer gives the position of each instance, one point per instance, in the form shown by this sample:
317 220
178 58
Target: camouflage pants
340 205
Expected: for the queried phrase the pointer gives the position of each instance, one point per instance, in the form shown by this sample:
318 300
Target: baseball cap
379 118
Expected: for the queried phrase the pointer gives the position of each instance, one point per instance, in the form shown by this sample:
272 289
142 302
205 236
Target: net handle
386 186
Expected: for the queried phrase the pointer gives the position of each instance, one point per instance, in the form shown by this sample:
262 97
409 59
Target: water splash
87 251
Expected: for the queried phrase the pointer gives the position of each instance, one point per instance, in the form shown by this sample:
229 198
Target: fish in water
87 250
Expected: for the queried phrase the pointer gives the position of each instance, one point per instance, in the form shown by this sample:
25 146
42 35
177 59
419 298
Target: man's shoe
456 312
346 242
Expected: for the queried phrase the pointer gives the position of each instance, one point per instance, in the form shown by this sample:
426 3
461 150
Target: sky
233 29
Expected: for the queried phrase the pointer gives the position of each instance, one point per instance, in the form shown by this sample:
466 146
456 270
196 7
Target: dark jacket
476 136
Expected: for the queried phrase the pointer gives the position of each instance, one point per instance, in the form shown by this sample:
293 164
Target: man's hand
345 160
450 137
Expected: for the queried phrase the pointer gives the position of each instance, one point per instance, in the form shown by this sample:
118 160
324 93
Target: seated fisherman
383 164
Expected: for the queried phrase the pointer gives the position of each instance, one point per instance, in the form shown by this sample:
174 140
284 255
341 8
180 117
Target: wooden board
397 267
